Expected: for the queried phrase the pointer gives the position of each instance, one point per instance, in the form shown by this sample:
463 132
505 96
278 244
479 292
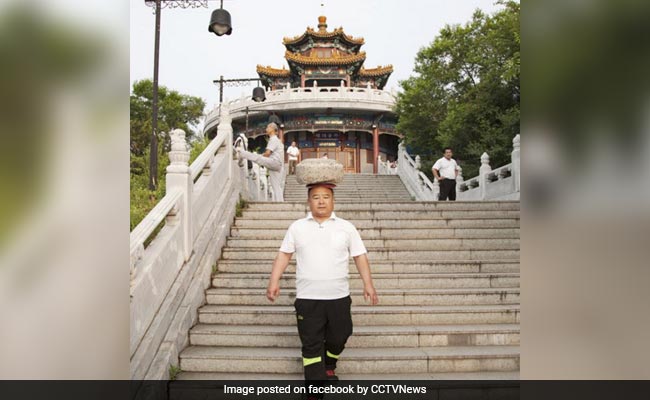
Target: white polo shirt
293 153
323 254
446 168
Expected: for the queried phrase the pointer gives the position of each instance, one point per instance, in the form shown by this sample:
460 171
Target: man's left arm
360 255
363 266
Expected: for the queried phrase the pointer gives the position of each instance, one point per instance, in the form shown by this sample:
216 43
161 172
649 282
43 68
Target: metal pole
153 155
221 89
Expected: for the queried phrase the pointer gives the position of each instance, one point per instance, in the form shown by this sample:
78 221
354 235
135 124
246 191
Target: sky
191 57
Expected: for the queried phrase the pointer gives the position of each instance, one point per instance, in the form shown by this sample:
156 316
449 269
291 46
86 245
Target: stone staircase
447 275
355 188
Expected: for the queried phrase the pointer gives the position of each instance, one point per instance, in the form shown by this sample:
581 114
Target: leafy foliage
465 92
175 111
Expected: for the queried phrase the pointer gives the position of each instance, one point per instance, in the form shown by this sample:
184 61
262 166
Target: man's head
321 200
447 153
272 129
293 143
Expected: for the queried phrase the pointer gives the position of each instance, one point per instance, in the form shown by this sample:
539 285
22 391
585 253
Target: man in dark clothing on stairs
323 244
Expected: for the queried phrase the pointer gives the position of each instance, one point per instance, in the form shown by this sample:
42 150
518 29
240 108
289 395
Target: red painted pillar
302 80
358 153
281 133
375 149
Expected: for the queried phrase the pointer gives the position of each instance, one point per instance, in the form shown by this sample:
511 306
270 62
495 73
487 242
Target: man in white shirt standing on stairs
446 170
294 157
323 244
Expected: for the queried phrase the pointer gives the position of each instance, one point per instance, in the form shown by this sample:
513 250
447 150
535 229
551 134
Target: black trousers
324 326
447 189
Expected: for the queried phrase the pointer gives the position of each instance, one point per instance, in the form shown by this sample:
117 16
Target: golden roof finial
322 23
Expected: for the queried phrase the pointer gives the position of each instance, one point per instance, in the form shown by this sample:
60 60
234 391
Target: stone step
363 337
398 243
354 192
366 315
360 176
444 376
355 199
368 361
381 281
348 184
361 188
392 223
354 185
378 267
381 254
372 186
375 215
399 195
382 206
483 296
344 184
416 233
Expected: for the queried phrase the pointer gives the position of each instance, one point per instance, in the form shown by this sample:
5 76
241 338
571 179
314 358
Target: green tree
465 92
175 111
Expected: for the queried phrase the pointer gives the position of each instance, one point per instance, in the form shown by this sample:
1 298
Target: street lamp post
220 24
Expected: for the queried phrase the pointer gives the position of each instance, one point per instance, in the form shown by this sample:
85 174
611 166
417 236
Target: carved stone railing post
516 162
418 164
225 128
436 189
459 179
179 176
483 172
485 164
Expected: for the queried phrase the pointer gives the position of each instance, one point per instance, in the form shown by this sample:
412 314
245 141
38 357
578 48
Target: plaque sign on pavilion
327 101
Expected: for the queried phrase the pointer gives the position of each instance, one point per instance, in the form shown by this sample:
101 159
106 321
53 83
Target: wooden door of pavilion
345 156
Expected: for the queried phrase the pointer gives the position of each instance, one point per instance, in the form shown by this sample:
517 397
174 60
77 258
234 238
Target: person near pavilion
294 157
446 170
272 158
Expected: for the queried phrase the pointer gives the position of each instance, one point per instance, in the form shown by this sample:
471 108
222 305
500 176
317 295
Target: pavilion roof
323 33
379 71
273 72
336 59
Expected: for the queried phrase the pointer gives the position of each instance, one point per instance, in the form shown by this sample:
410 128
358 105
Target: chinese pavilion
326 101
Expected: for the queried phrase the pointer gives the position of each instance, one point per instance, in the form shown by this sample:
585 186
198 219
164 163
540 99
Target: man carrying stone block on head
323 244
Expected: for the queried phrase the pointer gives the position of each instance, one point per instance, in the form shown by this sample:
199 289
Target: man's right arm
279 266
